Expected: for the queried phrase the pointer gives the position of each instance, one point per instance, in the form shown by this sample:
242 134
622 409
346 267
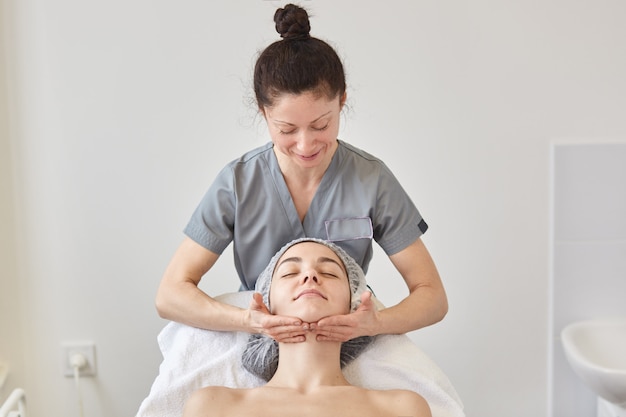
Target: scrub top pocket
340 230
354 235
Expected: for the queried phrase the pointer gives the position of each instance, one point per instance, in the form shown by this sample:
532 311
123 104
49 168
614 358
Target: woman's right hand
280 328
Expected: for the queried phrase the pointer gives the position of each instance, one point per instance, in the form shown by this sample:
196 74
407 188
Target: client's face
310 283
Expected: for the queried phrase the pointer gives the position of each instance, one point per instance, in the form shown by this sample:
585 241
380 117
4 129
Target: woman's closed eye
329 274
320 128
288 274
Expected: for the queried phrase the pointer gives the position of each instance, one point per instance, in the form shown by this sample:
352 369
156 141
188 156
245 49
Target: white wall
589 246
11 358
123 111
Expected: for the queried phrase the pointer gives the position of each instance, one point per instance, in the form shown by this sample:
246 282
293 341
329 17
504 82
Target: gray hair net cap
261 354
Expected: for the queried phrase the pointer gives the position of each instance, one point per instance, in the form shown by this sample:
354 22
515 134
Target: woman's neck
302 177
299 175
308 365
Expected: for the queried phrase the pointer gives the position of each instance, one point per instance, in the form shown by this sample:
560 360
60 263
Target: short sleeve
212 223
397 221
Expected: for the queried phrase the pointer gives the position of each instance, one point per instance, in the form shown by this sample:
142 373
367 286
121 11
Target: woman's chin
310 318
314 315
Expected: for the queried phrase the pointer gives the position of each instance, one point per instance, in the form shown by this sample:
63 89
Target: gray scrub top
358 199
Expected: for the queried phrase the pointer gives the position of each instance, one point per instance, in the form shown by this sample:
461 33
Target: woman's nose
306 141
310 276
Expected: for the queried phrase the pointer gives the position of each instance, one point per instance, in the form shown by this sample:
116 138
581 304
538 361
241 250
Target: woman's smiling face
309 282
304 127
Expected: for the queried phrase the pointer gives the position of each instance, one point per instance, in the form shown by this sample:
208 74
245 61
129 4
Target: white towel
195 358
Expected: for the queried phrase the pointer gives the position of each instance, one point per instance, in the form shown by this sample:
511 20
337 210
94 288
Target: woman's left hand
341 328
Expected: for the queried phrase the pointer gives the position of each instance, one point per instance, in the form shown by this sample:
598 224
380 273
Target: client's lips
310 293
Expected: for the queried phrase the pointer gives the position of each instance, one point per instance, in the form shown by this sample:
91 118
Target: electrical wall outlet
87 350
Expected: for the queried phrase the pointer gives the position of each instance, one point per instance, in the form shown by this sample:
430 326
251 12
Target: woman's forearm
423 307
185 303
426 303
179 298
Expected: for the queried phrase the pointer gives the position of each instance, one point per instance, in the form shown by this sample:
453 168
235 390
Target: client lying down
309 279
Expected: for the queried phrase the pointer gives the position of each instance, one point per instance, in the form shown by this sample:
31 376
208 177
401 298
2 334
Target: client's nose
310 276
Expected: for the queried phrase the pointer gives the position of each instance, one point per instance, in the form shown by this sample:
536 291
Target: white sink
596 351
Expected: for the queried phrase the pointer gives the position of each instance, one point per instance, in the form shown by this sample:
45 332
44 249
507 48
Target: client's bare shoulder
347 401
213 401
401 403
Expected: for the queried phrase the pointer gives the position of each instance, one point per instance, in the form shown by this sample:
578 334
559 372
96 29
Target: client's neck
307 365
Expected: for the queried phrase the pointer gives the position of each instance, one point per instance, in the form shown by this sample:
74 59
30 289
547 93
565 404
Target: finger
367 303
257 303
295 339
281 332
290 337
335 333
339 320
284 321
331 337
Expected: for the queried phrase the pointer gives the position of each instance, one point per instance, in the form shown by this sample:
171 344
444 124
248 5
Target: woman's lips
310 157
310 293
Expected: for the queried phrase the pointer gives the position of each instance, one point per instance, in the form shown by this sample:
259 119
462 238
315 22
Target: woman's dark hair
298 63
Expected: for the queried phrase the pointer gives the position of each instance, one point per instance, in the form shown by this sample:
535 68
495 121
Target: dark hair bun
292 22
